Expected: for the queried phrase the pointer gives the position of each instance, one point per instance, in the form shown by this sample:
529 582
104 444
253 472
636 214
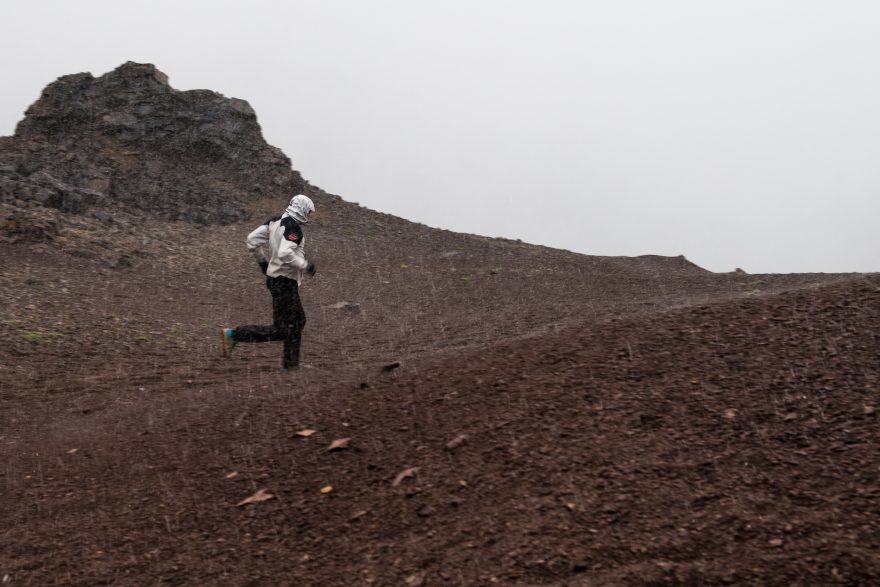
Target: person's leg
256 333
296 324
288 321
259 333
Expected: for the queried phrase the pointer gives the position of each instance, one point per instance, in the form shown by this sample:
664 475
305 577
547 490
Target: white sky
740 133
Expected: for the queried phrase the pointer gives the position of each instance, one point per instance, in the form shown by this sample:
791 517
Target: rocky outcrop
128 139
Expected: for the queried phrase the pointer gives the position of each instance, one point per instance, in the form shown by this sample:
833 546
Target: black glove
311 269
264 266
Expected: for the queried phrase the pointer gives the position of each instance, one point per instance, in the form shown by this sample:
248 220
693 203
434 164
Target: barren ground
616 421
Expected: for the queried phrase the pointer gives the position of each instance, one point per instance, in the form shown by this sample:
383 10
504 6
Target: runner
283 271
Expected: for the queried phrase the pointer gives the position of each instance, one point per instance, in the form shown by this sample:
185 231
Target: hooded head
299 208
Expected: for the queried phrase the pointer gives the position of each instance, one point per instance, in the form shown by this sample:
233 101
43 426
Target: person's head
300 207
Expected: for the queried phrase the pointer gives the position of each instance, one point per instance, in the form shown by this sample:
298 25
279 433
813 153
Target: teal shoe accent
228 343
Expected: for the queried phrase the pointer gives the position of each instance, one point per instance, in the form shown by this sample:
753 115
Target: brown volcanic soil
626 421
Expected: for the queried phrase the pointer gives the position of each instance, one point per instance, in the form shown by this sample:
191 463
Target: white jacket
286 241
286 255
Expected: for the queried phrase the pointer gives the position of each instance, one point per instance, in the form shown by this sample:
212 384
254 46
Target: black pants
288 321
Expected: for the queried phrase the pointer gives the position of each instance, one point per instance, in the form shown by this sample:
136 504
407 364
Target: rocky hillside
129 140
509 414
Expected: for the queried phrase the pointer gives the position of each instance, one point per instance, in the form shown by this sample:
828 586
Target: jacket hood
299 208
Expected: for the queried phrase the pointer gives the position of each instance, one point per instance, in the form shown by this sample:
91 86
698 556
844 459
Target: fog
739 134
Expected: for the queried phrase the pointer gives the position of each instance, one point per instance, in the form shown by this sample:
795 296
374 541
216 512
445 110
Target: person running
284 273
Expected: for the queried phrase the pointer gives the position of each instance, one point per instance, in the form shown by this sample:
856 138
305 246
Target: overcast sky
738 133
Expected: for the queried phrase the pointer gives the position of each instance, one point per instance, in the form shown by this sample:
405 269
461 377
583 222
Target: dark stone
129 138
104 217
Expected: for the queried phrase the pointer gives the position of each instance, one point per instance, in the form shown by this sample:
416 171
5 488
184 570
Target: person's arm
255 241
290 251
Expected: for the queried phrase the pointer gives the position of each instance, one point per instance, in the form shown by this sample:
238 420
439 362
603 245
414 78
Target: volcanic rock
128 138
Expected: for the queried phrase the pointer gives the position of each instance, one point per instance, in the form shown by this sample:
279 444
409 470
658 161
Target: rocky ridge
127 143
